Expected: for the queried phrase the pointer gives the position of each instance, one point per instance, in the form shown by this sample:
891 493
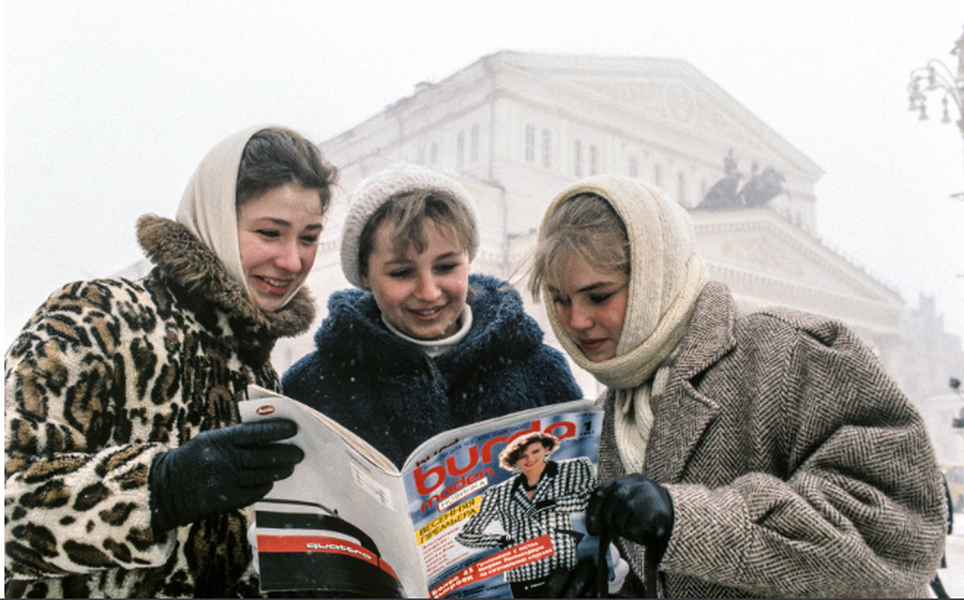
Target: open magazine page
340 523
479 530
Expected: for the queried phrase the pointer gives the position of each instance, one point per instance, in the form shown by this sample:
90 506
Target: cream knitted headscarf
666 277
208 208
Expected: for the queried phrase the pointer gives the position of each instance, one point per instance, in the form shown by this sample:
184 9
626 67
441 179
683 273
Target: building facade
515 128
932 365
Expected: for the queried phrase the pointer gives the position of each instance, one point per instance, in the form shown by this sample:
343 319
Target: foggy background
111 104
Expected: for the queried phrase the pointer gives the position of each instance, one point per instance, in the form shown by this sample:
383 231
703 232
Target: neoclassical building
515 128
931 360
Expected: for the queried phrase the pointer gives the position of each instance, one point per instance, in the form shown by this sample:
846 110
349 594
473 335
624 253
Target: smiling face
421 293
591 306
532 461
278 238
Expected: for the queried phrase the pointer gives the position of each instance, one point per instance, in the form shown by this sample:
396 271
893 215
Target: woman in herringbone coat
743 454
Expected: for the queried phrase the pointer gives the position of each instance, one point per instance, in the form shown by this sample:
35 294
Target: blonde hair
584 226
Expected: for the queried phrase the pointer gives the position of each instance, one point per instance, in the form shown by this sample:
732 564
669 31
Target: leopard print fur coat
104 376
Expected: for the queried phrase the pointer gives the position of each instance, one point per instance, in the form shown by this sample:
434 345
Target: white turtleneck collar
435 348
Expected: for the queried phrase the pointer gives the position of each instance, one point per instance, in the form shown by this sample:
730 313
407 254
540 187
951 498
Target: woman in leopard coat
116 388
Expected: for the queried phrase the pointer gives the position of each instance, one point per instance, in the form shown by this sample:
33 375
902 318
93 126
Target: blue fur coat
395 396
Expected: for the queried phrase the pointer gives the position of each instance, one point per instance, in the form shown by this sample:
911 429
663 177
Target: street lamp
940 78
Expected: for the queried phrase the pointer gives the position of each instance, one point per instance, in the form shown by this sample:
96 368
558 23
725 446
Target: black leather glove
633 507
581 582
220 470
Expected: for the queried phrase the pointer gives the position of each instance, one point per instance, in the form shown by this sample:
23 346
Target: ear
366 283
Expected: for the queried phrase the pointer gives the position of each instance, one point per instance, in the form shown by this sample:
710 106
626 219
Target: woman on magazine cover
539 501
742 453
128 473
422 346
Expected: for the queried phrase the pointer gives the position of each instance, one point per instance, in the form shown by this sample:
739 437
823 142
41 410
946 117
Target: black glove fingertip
263 432
280 429
593 526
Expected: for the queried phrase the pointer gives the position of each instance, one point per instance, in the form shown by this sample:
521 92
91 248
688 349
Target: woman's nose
289 258
580 317
426 288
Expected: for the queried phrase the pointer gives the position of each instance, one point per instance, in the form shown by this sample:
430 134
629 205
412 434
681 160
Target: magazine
451 523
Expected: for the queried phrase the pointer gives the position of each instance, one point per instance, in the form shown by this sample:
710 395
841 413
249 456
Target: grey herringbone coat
795 464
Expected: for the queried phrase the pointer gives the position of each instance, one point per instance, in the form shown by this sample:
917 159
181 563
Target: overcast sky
111 104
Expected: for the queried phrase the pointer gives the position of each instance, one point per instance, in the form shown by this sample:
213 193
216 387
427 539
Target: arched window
460 149
530 143
577 158
474 143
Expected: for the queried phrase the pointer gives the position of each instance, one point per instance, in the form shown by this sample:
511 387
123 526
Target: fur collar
184 260
501 331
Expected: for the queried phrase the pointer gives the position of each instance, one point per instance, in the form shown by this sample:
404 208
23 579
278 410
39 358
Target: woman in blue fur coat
423 346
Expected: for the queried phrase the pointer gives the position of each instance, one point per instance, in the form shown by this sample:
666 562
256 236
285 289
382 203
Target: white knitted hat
379 188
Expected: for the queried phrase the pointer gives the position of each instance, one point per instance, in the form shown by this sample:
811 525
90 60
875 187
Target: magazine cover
481 528
479 511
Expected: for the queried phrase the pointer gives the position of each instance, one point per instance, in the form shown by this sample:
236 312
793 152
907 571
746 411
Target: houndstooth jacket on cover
564 489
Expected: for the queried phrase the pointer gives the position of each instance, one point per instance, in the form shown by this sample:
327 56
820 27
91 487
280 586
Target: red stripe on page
314 543
388 569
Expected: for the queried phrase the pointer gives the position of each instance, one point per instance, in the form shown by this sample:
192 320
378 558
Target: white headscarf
208 207
666 278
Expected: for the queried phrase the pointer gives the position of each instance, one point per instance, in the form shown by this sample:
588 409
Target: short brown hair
513 452
408 212
273 157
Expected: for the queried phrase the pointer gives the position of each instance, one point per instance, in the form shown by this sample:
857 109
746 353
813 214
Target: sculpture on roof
728 194
725 193
762 187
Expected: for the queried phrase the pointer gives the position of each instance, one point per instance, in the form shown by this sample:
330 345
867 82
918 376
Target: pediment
764 251
667 91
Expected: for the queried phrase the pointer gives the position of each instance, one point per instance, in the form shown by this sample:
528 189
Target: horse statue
728 194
